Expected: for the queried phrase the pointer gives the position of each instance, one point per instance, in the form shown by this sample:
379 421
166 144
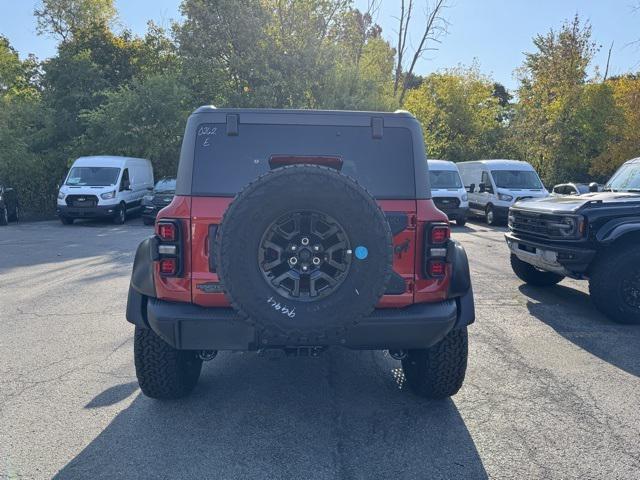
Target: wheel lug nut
316 261
305 241
293 260
304 268
294 248
316 248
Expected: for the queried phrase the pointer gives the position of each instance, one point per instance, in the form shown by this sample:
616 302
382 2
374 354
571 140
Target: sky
496 33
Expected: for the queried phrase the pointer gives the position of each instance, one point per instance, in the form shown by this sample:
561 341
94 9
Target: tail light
436 239
169 247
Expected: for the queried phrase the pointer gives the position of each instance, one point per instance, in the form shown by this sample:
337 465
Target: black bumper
459 213
190 327
87 212
574 259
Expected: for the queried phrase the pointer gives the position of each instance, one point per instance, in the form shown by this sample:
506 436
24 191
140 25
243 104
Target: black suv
160 197
301 230
595 236
8 205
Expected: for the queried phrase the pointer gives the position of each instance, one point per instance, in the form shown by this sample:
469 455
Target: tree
63 18
623 134
559 119
144 119
433 27
459 113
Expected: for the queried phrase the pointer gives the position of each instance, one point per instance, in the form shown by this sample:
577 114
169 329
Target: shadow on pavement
113 395
571 313
339 416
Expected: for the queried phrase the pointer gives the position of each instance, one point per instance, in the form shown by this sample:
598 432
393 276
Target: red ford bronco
300 230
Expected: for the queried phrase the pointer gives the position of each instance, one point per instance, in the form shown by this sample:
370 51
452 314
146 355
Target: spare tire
303 253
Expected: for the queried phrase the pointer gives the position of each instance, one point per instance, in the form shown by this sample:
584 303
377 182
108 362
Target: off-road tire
303 188
164 372
4 216
66 220
606 280
438 372
532 275
148 220
121 214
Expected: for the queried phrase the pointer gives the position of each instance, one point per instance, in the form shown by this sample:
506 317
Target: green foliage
460 115
133 122
115 93
63 18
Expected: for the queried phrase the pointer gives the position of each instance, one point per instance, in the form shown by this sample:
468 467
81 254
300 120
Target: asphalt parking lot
552 389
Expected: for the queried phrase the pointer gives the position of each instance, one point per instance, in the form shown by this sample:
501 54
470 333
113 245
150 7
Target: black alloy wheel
305 255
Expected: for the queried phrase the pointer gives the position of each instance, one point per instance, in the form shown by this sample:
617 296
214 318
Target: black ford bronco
595 236
300 230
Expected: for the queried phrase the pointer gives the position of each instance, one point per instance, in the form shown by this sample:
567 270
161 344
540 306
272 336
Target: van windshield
626 179
444 179
93 176
516 179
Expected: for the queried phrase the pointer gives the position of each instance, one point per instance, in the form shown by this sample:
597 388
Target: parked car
595 236
447 190
575 188
300 230
495 185
8 204
157 199
104 187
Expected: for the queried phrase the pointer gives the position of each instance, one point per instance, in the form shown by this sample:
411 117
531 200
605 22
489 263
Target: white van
447 190
495 185
104 186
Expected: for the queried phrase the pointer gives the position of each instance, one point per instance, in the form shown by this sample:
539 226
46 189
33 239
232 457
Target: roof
300 111
441 165
633 160
502 164
104 161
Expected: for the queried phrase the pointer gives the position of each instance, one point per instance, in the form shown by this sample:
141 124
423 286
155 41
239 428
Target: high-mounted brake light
167 231
276 161
439 234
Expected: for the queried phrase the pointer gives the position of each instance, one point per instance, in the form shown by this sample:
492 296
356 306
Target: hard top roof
104 161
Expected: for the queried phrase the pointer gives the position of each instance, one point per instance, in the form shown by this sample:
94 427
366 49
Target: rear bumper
87 212
190 327
562 259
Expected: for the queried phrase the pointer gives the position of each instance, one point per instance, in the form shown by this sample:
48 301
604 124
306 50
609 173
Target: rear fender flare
142 285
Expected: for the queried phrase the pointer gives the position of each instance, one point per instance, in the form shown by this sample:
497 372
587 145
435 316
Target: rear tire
461 222
66 220
438 372
164 372
614 285
533 276
4 216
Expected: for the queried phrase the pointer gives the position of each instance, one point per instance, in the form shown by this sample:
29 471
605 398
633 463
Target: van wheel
164 372
121 214
66 220
532 275
438 371
4 216
16 216
614 285
461 222
490 216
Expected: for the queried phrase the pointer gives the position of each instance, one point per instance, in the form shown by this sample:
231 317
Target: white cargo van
495 185
104 187
447 190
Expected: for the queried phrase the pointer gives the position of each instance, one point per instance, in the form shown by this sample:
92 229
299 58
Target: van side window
486 181
124 183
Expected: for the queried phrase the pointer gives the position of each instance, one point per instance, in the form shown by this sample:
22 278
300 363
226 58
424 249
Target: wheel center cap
304 255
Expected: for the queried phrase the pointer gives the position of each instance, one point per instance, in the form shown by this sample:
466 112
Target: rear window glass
224 165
